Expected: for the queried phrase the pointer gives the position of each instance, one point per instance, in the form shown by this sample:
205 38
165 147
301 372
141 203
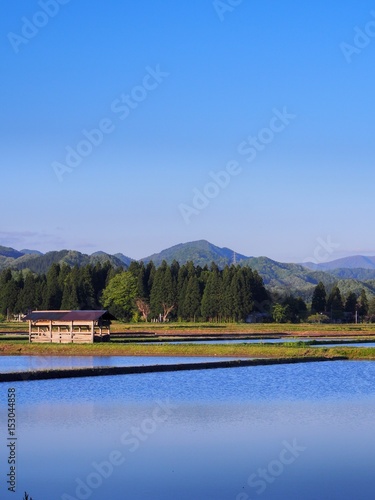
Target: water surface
200 435
27 363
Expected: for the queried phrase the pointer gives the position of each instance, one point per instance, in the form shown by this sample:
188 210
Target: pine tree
351 303
192 299
227 306
319 299
363 305
182 281
142 283
70 300
163 292
238 295
53 292
85 289
334 303
10 298
261 299
27 300
211 304
297 308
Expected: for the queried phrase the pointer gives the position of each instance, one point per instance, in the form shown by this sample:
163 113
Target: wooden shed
69 326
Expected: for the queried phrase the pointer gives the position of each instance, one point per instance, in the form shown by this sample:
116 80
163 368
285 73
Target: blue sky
117 118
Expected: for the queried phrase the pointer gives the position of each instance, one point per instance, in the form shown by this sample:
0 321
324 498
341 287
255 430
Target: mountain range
354 262
350 273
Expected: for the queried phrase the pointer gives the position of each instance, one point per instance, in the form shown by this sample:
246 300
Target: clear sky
118 117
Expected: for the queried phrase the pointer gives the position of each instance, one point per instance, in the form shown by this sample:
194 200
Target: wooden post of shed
92 331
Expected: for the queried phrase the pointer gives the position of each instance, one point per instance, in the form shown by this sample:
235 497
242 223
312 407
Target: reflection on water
27 363
293 432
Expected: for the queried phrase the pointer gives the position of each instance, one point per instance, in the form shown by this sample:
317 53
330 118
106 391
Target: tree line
62 287
334 307
185 292
171 293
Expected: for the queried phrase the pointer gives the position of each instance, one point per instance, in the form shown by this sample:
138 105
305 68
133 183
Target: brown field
192 329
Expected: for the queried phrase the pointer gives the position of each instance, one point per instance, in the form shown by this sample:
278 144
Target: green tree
10 298
163 292
371 310
70 300
53 291
182 281
150 275
363 305
319 299
99 280
211 304
240 294
120 294
371 306
297 309
192 299
351 303
260 296
318 318
281 313
28 298
143 291
334 304
5 279
86 292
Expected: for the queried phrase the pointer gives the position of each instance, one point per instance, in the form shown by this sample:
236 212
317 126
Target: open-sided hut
69 326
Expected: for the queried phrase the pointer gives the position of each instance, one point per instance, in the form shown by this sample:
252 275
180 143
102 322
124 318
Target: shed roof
67 315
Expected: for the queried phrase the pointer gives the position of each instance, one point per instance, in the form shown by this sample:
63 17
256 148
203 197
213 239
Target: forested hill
199 252
280 276
10 252
40 263
353 262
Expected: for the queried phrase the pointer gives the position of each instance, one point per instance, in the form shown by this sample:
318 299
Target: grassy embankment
292 350
13 344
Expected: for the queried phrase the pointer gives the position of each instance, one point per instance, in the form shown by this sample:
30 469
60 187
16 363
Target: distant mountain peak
353 262
26 251
200 252
10 252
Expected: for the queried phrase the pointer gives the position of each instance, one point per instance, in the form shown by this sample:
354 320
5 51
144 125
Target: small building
69 326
